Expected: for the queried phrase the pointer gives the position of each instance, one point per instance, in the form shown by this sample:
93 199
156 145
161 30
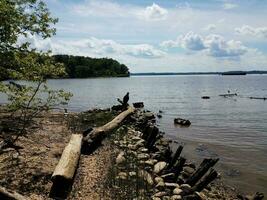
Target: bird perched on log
126 99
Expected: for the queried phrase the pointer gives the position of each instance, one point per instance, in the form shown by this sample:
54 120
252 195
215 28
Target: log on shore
10 195
100 132
68 162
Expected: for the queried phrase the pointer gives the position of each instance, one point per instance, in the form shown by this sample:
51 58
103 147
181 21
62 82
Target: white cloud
229 6
248 30
212 45
210 27
154 12
217 46
94 47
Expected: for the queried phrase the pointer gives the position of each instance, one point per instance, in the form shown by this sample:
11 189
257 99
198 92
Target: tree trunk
10 195
68 162
101 131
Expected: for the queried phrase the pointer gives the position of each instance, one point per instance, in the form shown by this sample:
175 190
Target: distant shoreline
196 73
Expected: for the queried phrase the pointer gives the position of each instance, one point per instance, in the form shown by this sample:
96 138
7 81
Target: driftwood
10 195
68 162
176 156
203 168
205 181
100 132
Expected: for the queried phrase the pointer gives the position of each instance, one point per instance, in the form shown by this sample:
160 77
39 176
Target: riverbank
121 163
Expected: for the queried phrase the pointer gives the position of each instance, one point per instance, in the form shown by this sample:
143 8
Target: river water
233 129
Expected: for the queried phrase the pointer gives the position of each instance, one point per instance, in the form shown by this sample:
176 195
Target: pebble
172 185
176 197
159 167
142 156
177 191
159 179
159 194
120 158
160 185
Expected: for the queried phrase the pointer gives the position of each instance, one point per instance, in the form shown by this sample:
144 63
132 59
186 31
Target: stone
189 170
159 179
159 167
172 185
160 185
165 198
159 194
156 198
122 175
132 147
142 149
177 191
132 173
140 143
176 197
120 158
186 188
151 162
149 115
168 176
146 177
142 156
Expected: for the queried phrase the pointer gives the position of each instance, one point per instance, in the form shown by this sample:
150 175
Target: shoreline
105 156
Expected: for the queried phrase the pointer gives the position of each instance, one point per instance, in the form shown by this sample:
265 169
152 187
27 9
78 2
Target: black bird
126 99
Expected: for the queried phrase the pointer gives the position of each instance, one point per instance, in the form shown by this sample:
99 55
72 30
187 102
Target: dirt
28 171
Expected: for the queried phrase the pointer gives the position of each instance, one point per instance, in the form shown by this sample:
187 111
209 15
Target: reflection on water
233 128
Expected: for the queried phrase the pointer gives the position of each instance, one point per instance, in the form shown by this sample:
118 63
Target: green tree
18 60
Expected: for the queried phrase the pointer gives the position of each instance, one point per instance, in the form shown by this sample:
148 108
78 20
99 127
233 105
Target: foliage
83 67
20 19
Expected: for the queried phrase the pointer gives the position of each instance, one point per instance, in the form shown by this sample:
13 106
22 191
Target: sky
163 35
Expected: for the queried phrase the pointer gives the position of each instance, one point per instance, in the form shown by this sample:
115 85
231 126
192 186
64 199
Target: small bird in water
126 99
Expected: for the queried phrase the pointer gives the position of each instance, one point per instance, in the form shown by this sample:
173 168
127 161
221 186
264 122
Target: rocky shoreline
144 166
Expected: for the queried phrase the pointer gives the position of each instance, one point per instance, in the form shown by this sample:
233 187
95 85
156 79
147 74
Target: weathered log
152 137
68 162
11 195
100 132
177 168
176 156
205 181
203 168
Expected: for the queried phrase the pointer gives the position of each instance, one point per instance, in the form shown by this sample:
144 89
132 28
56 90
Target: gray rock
177 191
143 156
149 115
189 170
159 167
122 175
176 197
120 158
159 179
146 177
172 185
186 188
160 185
160 194
151 162
132 173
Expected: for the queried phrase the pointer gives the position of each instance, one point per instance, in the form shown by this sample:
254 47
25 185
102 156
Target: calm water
235 129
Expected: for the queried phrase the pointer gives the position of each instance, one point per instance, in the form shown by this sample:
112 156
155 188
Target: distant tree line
84 67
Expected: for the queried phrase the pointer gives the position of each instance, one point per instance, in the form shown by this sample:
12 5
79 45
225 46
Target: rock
168 176
159 115
143 150
159 167
138 104
160 194
151 162
146 177
120 158
165 198
149 115
160 185
132 173
143 156
183 122
189 170
177 191
172 185
136 138
132 147
185 187
156 198
176 197
140 143
122 175
159 179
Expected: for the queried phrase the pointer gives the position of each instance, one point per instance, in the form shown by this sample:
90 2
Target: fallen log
176 156
100 132
205 181
68 162
10 195
203 168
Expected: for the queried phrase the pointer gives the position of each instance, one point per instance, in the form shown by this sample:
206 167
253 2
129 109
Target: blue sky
163 36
